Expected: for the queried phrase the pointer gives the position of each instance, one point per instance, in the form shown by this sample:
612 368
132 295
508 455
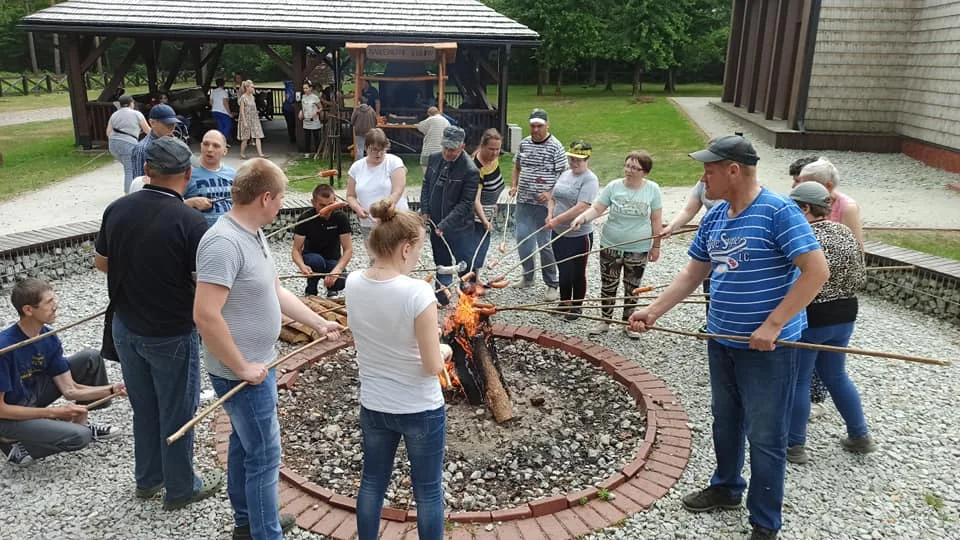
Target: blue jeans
320 265
359 142
461 242
122 149
831 367
424 434
530 217
224 124
752 394
162 375
478 231
253 460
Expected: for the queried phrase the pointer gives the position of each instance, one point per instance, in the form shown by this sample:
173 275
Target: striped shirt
139 154
752 256
540 165
491 182
240 260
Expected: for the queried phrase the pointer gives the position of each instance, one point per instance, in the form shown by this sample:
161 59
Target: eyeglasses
633 168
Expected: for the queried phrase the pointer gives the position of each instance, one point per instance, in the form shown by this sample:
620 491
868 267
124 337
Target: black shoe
310 292
761 533
150 492
712 498
287 522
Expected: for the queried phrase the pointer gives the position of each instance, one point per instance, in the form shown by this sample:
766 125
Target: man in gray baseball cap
167 156
765 266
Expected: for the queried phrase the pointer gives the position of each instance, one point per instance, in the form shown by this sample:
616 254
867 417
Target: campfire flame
462 324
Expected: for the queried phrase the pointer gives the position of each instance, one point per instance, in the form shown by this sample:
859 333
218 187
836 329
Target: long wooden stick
494 264
506 225
54 332
534 253
476 252
233 391
599 249
909 229
333 207
785 343
103 400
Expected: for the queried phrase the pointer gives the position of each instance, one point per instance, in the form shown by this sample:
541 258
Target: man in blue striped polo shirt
764 266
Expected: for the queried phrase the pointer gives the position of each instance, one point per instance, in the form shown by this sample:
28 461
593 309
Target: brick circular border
658 465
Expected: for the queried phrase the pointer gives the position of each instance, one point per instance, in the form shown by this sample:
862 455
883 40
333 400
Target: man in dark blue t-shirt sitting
35 375
322 244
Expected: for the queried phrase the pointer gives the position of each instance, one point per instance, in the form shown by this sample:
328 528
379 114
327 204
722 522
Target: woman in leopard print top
830 321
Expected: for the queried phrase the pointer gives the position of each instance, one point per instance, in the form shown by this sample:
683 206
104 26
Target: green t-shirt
629 214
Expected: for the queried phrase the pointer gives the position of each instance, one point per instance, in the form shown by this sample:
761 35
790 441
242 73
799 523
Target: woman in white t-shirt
374 177
399 356
123 132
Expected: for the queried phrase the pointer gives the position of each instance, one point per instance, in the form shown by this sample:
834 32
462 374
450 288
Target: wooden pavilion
202 28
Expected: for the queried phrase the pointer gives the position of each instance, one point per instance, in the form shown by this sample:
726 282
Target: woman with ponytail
399 355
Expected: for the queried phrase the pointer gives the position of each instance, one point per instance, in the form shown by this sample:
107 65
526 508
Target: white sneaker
103 432
598 328
552 294
523 283
630 333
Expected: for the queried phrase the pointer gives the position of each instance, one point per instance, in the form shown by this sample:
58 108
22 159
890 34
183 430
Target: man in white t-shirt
220 105
432 128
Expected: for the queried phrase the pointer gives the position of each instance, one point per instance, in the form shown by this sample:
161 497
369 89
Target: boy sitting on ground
34 376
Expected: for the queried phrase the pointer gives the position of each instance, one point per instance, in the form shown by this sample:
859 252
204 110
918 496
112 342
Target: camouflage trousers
613 265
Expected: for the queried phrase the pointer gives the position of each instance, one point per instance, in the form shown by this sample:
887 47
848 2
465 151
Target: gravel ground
889 494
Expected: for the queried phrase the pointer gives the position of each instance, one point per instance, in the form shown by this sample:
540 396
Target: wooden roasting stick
506 225
219 403
324 213
54 332
103 400
745 339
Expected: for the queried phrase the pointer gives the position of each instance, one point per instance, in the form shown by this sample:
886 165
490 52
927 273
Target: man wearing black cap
536 167
163 122
765 266
147 245
449 188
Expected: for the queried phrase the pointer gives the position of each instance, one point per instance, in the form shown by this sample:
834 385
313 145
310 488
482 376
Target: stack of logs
332 310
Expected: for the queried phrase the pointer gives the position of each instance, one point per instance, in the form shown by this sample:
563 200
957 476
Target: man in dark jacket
447 197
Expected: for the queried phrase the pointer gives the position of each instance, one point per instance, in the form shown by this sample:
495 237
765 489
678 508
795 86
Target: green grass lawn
941 244
614 123
48 101
41 153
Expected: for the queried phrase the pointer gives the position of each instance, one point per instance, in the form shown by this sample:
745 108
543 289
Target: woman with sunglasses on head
574 192
399 356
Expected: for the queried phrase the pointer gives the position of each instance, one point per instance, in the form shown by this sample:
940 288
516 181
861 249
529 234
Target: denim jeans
831 366
461 242
530 217
253 460
320 265
424 434
224 124
752 394
162 375
359 143
478 231
122 149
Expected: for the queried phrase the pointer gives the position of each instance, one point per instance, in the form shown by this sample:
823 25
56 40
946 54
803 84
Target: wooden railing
98 112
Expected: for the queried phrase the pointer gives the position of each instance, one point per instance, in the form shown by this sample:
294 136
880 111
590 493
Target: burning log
474 369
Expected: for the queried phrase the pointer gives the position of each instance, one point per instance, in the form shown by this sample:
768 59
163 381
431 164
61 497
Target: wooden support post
177 66
78 90
150 59
287 68
196 50
299 61
358 81
210 64
97 53
504 55
442 82
120 71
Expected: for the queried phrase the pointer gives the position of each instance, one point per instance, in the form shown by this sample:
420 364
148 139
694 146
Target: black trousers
573 273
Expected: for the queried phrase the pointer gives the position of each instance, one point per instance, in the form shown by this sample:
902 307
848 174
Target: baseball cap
125 100
453 137
580 150
538 116
730 147
163 113
811 193
168 155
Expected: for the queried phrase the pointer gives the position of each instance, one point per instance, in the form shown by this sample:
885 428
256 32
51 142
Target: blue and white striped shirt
752 258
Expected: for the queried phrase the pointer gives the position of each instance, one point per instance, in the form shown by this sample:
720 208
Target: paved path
38 115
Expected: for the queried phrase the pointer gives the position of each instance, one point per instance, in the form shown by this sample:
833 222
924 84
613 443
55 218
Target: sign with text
401 53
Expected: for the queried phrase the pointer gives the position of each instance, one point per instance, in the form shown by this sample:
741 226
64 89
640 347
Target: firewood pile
332 310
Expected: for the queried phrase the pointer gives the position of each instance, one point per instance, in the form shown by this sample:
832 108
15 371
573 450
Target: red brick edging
658 465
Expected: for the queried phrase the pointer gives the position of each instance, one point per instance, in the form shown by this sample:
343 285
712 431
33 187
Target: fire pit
592 438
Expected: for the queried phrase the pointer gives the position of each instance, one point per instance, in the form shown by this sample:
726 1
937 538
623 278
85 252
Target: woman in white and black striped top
487 160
